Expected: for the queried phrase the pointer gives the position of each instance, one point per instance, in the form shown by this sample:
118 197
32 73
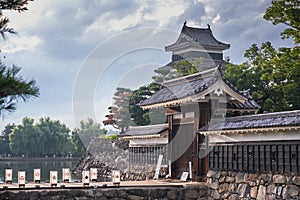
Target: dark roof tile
278 119
145 130
202 36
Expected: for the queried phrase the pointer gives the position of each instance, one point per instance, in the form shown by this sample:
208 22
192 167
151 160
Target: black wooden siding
148 155
273 156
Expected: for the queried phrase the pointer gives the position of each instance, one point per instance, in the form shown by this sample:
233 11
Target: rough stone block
217 175
250 177
172 194
229 179
271 188
225 195
285 193
215 185
224 173
279 179
261 195
233 197
296 180
266 177
252 183
232 187
294 190
270 197
253 192
222 179
191 194
215 194
209 181
278 191
211 173
242 190
223 187
239 178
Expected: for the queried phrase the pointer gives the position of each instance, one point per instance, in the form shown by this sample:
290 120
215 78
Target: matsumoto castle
198 133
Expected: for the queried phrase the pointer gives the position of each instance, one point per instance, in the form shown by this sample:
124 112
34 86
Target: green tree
4 139
25 140
12 86
286 12
82 136
54 137
79 147
142 117
184 68
47 137
119 115
15 5
271 75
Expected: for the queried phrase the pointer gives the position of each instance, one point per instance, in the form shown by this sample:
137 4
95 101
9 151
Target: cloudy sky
79 51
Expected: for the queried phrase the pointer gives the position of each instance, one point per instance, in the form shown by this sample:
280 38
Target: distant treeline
47 138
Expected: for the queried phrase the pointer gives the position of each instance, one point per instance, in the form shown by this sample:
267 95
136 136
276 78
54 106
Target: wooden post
170 146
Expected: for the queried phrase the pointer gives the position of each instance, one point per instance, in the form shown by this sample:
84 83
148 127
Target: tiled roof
277 119
202 36
145 130
191 85
206 63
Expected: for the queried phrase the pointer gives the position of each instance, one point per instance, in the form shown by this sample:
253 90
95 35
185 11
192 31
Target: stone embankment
260 186
108 193
107 155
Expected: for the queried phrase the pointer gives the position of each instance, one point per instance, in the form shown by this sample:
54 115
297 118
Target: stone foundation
108 193
107 155
260 186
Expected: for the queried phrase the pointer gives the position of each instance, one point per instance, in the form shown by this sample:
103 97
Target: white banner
159 161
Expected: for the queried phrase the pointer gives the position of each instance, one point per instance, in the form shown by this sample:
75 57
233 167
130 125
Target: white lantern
21 178
65 174
93 174
37 175
53 178
85 177
8 175
116 177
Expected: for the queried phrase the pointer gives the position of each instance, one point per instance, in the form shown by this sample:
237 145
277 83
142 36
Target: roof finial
184 24
208 26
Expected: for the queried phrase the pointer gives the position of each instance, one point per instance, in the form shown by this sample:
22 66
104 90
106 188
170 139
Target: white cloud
163 11
20 43
216 19
55 36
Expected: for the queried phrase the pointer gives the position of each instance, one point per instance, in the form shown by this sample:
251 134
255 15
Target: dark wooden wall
275 156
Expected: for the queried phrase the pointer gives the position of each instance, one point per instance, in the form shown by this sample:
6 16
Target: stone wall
261 186
108 193
107 155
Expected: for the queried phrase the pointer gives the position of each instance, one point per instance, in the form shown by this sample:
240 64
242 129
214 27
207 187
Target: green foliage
4 139
113 137
286 12
271 75
119 116
47 137
141 117
14 88
54 137
15 5
82 136
185 68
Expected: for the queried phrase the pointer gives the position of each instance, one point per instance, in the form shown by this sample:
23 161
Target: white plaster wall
147 141
266 136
